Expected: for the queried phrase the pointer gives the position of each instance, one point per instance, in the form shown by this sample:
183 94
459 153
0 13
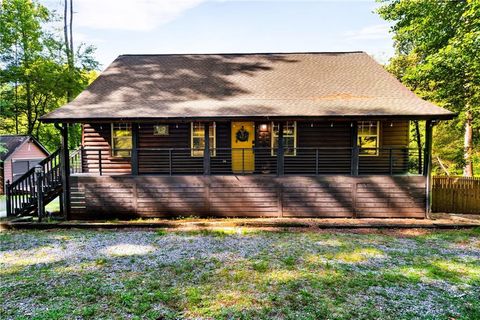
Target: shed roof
13 142
245 85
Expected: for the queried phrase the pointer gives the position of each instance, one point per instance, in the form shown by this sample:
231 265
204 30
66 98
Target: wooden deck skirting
125 196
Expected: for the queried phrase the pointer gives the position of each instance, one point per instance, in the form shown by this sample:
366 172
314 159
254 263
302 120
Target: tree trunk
418 137
468 144
67 42
71 33
31 122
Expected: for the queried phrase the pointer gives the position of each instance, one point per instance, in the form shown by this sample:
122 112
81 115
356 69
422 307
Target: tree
38 71
440 40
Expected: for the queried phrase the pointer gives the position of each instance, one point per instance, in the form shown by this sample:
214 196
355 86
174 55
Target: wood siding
97 137
155 161
27 151
316 134
254 196
392 134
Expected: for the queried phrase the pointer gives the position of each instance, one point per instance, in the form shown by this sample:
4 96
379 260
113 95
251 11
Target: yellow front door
243 137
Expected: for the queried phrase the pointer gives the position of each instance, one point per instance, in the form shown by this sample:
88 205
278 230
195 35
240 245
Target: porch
289 168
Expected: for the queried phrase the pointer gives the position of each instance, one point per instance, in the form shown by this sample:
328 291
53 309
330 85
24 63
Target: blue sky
212 26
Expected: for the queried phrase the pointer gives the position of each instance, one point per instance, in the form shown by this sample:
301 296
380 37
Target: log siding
317 134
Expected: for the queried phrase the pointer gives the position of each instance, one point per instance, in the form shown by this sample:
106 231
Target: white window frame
377 135
273 137
200 153
113 140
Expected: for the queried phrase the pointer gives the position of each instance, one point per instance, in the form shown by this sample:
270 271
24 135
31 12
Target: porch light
263 127
331 125
391 124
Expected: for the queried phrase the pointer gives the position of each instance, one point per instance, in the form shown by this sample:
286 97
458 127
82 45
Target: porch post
134 158
206 152
355 151
65 169
427 164
280 150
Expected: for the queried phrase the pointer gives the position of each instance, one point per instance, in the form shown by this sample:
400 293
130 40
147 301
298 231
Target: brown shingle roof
237 85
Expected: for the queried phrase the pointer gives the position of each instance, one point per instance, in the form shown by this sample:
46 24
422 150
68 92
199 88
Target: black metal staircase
29 194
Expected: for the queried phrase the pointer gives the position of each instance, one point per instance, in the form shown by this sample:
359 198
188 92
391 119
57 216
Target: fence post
355 151
355 162
8 198
134 154
100 161
243 160
280 151
206 152
390 158
39 187
170 161
80 169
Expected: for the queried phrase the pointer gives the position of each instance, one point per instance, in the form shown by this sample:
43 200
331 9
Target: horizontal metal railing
257 160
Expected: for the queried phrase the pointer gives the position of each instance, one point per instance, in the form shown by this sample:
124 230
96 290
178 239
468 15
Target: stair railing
23 194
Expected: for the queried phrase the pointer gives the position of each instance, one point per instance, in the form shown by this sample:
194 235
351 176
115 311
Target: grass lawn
240 274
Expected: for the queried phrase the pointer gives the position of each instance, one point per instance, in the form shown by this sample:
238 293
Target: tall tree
37 70
68 38
442 39
20 46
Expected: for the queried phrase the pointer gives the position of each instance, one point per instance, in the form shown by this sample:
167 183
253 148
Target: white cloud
137 15
375 32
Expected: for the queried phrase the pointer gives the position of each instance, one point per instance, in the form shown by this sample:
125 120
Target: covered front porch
283 168
248 146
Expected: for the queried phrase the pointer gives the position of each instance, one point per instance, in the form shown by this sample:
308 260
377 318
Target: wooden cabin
243 135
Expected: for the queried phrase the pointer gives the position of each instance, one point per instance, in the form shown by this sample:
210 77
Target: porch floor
438 220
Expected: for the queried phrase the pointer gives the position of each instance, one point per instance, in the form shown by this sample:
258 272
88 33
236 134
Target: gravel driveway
240 273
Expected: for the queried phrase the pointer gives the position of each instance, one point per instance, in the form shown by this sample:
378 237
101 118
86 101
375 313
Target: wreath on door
242 135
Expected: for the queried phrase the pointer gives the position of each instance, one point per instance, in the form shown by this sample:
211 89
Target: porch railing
259 160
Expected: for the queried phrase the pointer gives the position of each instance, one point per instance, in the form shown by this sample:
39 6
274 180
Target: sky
118 27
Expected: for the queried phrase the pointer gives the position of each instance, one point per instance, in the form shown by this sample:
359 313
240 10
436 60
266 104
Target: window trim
272 151
377 153
213 149
112 153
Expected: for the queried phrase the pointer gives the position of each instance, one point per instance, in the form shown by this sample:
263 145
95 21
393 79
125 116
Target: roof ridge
241 53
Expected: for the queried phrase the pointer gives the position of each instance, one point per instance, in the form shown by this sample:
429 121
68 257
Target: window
121 139
289 138
198 139
368 135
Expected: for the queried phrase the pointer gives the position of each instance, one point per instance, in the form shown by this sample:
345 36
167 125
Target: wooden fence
456 194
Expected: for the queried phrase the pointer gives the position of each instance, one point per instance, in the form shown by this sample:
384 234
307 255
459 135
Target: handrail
32 170
28 191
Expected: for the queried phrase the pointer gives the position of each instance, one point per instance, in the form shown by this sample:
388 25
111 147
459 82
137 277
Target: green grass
239 273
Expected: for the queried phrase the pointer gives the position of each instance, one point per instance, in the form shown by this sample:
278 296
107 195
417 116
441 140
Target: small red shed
22 153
